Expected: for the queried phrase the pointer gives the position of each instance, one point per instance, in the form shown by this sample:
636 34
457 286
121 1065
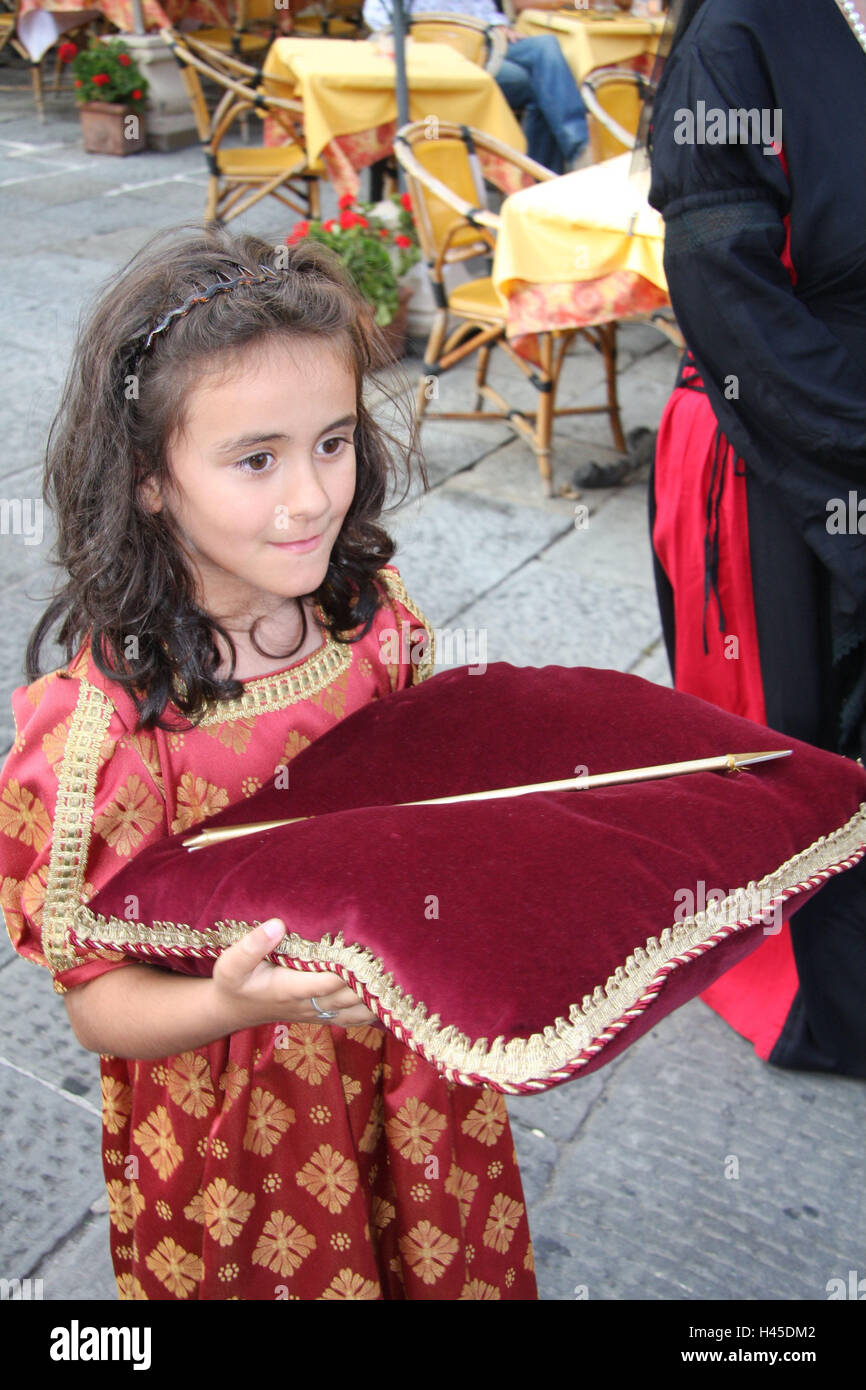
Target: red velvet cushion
513 943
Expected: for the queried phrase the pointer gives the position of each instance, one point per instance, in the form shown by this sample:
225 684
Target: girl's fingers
239 962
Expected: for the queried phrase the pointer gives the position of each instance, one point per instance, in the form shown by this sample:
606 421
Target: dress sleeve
799 395
79 795
414 638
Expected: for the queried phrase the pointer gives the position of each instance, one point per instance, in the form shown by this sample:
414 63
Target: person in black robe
758 496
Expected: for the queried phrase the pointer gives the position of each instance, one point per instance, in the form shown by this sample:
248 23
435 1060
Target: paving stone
458 546
510 473
87 1249
538 617
560 1112
537 1156
57 1174
37 1035
611 543
641 1204
653 665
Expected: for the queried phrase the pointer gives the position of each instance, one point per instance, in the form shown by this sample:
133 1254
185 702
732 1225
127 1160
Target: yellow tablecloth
594 41
347 87
584 248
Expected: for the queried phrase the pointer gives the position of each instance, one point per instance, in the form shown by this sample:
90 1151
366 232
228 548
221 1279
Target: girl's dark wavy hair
128 575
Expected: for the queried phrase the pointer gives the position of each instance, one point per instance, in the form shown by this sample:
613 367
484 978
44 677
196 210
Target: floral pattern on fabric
535 309
289 1160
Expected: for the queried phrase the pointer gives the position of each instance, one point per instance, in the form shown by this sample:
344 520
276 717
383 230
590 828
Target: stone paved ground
628 1171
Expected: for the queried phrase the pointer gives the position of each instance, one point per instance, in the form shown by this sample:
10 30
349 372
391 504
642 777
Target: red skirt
701 512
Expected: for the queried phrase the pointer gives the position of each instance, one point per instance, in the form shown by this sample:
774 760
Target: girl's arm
145 1013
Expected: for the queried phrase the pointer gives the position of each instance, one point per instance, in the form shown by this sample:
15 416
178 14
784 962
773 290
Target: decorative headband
141 342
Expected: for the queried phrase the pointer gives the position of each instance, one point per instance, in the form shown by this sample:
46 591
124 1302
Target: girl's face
263 474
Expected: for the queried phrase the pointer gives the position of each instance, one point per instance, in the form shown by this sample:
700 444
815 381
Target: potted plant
110 92
378 244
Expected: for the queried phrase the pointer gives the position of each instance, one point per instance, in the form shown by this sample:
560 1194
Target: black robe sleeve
784 363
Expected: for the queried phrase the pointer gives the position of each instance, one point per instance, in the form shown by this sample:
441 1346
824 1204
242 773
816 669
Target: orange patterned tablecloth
579 250
37 36
350 104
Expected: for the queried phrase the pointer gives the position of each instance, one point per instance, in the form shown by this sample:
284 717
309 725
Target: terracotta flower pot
111 128
396 332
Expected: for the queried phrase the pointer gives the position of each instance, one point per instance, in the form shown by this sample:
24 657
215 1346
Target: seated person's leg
516 85
554 96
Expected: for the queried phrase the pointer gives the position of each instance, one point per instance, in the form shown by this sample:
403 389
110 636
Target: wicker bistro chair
613 97
484 44
447 191
334 19
240 176
251 35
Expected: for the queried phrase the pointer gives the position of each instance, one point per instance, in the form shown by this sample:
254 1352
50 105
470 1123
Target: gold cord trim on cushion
73 822
523 1063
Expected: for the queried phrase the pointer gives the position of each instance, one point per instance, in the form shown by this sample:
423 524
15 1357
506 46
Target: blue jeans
535 78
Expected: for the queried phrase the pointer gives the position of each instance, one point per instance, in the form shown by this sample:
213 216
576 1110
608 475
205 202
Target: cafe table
41 22
348 92
592 40
580 250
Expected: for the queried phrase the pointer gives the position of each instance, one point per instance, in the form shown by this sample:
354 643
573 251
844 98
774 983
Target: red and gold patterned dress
285 1161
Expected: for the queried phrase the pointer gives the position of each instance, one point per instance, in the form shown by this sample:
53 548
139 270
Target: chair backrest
614 99
258 12
194 89
446 185
444 180
238 95
468 36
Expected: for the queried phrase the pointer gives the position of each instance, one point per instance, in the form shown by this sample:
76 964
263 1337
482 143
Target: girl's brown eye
248 464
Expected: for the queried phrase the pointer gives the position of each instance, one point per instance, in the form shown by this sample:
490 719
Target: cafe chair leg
36 75
544 417
213 193
607 335
431 359
481 376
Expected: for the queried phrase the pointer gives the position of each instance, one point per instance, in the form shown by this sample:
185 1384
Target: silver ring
325 1014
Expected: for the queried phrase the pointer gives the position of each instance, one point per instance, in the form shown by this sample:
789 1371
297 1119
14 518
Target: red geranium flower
403 242
136 95
361 221
346 201
99 79
384 233
348 219
299 231
406 201
78 82
329 225
124 60
66 52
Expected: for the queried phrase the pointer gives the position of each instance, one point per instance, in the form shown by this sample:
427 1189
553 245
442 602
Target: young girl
217 482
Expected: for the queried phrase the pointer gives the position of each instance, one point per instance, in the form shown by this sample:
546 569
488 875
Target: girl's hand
246 984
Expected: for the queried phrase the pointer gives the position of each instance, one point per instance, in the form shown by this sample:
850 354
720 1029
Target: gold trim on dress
397 590
523 1062
264 694
73 823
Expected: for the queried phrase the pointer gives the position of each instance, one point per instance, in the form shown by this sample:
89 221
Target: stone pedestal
170 123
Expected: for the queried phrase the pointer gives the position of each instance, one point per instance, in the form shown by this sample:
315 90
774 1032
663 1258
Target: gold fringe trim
73 822
523 1060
